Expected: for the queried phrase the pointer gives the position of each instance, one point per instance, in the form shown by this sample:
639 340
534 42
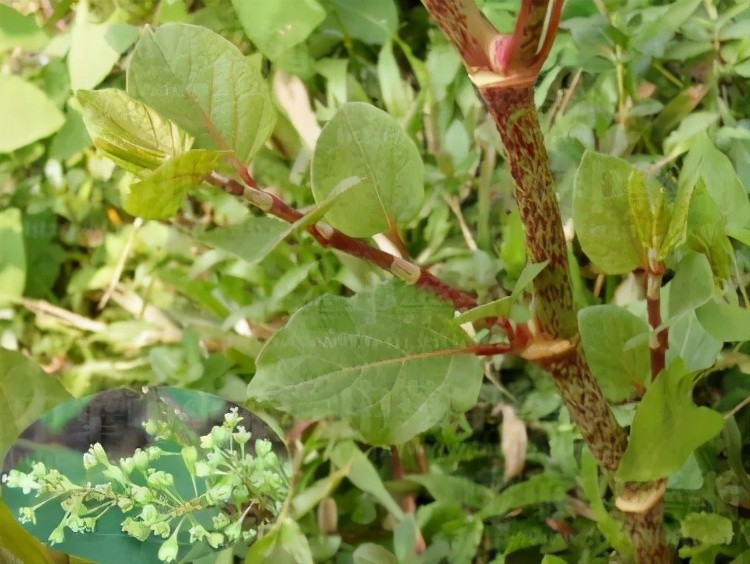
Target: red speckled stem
505 82
337 240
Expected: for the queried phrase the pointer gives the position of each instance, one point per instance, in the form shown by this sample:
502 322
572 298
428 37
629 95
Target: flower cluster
247 485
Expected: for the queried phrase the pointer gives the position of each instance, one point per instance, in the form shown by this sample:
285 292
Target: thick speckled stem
509 97
514 112
513 109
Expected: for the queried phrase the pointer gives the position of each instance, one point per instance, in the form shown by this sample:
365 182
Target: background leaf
12 256
541 488
362 473
275 27
374 359
725 322
373 21
201 81
705 161
27 114
17 30
25 394
95 48
364 141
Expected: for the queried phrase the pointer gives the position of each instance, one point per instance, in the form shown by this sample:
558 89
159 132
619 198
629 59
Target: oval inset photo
167 475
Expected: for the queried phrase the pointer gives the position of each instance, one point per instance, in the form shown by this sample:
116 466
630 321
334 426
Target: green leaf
275 27
370 553
658 214
205 84
374 21
397 96
285 544
253 239
601 214
250 240
606 332
692 285
386 360
71 138
454 490
25 394
692 343
18 541
160 194
540 488
707 528
12 256
724 186
129 132
313 494
707 234
17 30
95 48
502 307
366 142
608 525
362 473
667 427
725 322
675 233
44 254
27 114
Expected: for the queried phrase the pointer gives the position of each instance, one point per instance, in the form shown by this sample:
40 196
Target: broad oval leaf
667 427
601 216
160 194
618 365
366 142
26 114
385 360
130 133
206 85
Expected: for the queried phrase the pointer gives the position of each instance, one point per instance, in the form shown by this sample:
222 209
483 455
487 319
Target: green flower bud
169 549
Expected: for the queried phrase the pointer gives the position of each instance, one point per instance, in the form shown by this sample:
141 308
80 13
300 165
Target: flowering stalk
235 475
504 69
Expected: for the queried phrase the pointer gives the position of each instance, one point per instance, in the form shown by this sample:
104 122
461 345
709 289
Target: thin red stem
333 238
659 339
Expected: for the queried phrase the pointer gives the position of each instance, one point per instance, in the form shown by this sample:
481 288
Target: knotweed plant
245 481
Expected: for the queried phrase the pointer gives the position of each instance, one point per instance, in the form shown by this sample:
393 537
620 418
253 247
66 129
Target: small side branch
329 237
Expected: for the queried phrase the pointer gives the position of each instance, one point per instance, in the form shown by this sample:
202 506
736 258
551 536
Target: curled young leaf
129 132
